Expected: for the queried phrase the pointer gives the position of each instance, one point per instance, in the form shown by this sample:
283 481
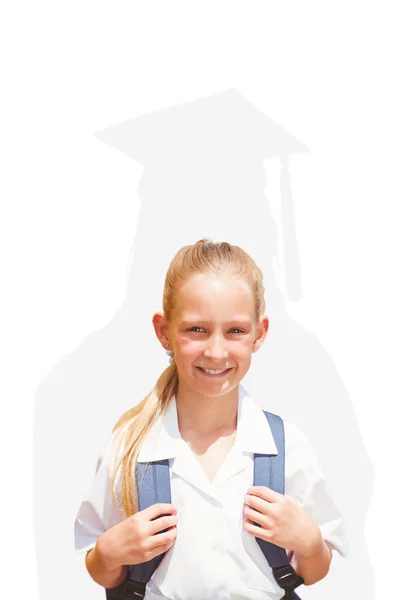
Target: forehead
208 295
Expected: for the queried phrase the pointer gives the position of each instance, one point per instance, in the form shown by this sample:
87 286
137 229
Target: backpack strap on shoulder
269 470
153 485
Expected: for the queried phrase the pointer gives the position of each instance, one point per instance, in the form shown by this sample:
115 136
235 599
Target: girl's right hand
139 538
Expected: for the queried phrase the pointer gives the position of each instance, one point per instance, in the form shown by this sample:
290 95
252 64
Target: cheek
245 348
189 348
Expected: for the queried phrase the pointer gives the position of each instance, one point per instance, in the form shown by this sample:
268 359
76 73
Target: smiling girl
202 421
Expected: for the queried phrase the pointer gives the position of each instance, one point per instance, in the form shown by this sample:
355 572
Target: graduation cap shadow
205 172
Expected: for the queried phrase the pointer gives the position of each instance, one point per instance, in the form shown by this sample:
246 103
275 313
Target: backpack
269 470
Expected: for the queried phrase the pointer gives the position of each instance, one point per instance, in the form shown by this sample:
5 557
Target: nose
216 348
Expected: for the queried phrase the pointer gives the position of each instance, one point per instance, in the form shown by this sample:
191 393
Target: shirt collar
253 432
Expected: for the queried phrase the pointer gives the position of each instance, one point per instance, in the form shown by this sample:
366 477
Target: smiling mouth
214 372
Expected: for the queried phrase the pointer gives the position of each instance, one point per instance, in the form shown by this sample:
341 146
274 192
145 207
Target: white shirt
213 557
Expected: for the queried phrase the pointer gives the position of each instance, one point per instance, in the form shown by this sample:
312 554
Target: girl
200 418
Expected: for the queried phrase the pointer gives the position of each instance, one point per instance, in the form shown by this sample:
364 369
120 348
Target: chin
213 389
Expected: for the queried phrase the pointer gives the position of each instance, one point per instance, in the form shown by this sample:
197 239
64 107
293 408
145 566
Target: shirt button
214 545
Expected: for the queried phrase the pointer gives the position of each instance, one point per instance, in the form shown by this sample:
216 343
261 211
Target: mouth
215 373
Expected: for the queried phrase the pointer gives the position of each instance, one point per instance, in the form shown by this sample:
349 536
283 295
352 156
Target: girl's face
214 327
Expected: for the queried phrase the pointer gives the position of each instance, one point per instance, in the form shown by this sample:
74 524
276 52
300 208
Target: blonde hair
131 429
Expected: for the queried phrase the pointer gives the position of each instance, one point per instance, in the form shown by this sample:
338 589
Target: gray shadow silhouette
204 174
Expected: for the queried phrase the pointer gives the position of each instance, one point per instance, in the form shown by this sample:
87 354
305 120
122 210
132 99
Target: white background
327 72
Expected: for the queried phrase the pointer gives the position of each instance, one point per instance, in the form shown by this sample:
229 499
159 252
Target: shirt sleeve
97 512
305 482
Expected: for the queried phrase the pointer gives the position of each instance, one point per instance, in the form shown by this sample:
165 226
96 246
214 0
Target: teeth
214 372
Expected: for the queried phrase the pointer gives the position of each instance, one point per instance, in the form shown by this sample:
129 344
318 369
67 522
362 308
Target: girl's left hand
282 521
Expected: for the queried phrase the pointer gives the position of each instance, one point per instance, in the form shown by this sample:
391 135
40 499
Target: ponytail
130 431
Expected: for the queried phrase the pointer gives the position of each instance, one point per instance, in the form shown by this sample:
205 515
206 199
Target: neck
204 414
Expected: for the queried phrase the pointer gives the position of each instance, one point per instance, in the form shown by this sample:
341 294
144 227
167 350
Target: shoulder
121 430
294 436
107 454
300 454
114 448
295 440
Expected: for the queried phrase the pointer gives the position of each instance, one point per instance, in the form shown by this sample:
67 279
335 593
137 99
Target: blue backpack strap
153 485
269 471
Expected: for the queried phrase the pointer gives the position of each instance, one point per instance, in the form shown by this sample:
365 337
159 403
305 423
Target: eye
197 329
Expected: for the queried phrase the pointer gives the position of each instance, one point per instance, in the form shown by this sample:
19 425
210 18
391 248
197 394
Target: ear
161 329
262 331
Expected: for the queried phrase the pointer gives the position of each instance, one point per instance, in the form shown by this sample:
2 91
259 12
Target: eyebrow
192 320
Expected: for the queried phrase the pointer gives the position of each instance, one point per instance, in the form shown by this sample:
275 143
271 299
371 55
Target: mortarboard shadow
204 174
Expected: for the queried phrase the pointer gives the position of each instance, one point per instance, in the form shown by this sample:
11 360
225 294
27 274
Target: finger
157 550
256 517
258 503
257 531
265 493
161 523
156 510
163 539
